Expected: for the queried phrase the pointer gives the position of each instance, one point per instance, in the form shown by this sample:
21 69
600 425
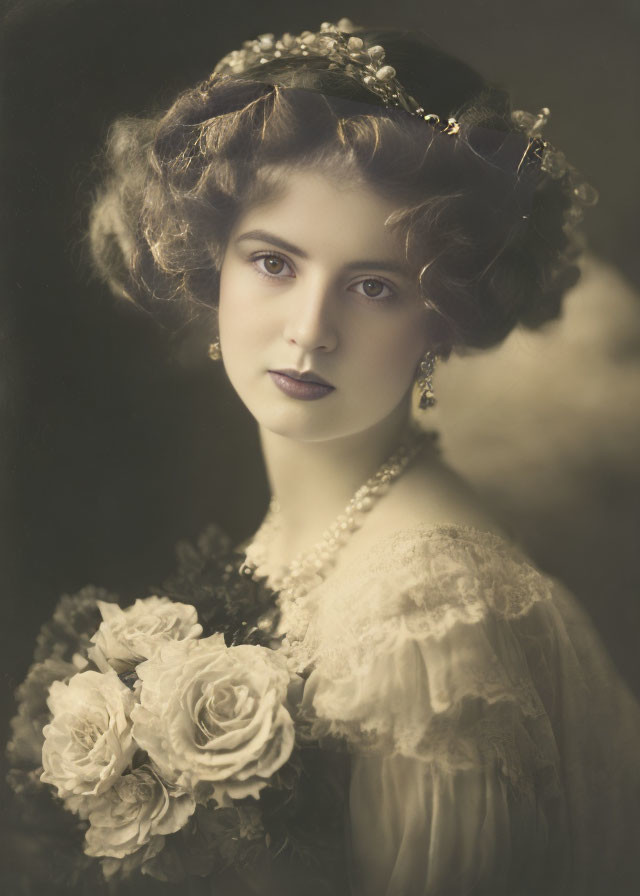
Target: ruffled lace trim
414 651
418 583
478 736
456 573
432 577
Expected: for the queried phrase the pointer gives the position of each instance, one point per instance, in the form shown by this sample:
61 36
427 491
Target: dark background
114 443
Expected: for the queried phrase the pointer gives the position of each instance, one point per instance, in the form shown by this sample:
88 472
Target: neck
314 481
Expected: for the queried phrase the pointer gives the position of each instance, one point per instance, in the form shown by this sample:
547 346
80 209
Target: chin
306 428
310 427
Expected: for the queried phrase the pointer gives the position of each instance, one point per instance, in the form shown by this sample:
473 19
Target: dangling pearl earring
427 398
214 351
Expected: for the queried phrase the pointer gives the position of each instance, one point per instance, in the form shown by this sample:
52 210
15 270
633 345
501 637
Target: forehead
325 214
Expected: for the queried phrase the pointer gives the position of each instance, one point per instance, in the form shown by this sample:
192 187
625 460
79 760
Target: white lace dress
494 748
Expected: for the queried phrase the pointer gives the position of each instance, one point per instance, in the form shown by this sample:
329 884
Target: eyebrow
372 265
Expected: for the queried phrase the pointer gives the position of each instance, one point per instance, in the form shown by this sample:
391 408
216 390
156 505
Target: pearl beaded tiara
368 65
345 51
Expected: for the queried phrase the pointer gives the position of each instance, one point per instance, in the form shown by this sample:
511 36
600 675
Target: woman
347 235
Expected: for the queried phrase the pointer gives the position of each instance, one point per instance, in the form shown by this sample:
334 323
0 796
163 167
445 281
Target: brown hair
485 239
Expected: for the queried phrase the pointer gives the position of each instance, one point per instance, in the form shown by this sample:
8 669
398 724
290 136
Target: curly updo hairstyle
486 241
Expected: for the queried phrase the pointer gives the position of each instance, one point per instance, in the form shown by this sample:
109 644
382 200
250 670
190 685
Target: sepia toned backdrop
118 438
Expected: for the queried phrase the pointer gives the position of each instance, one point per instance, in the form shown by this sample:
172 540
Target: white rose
136 811
88 743
128 637
213 719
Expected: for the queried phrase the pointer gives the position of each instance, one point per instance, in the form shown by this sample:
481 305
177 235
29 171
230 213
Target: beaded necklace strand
309 568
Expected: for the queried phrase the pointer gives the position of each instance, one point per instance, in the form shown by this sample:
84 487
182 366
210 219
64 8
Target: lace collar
296 628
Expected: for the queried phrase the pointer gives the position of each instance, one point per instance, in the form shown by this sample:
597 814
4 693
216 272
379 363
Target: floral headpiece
366 64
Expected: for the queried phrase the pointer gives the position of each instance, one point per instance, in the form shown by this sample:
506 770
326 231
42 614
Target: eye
374 290
271 265
274 266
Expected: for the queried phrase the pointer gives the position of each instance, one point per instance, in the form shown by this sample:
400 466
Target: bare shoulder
431 493
428 494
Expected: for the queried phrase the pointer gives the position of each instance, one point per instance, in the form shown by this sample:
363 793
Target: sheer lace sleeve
463 685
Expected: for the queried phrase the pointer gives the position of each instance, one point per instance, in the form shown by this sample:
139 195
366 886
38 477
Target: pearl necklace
309 568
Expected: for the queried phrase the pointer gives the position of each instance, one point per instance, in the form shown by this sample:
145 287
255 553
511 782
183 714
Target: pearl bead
386 73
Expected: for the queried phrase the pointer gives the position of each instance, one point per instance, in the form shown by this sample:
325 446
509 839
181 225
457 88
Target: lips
302 390
306 376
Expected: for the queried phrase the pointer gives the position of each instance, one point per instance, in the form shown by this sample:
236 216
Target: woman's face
312 280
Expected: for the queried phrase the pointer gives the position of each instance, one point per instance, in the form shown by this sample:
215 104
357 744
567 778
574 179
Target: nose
308 324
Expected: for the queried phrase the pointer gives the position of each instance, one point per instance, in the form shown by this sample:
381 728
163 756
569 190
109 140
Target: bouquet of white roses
175 750
168 721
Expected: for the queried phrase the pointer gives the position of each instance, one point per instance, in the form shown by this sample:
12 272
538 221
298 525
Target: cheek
233 298
239 320
392 353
